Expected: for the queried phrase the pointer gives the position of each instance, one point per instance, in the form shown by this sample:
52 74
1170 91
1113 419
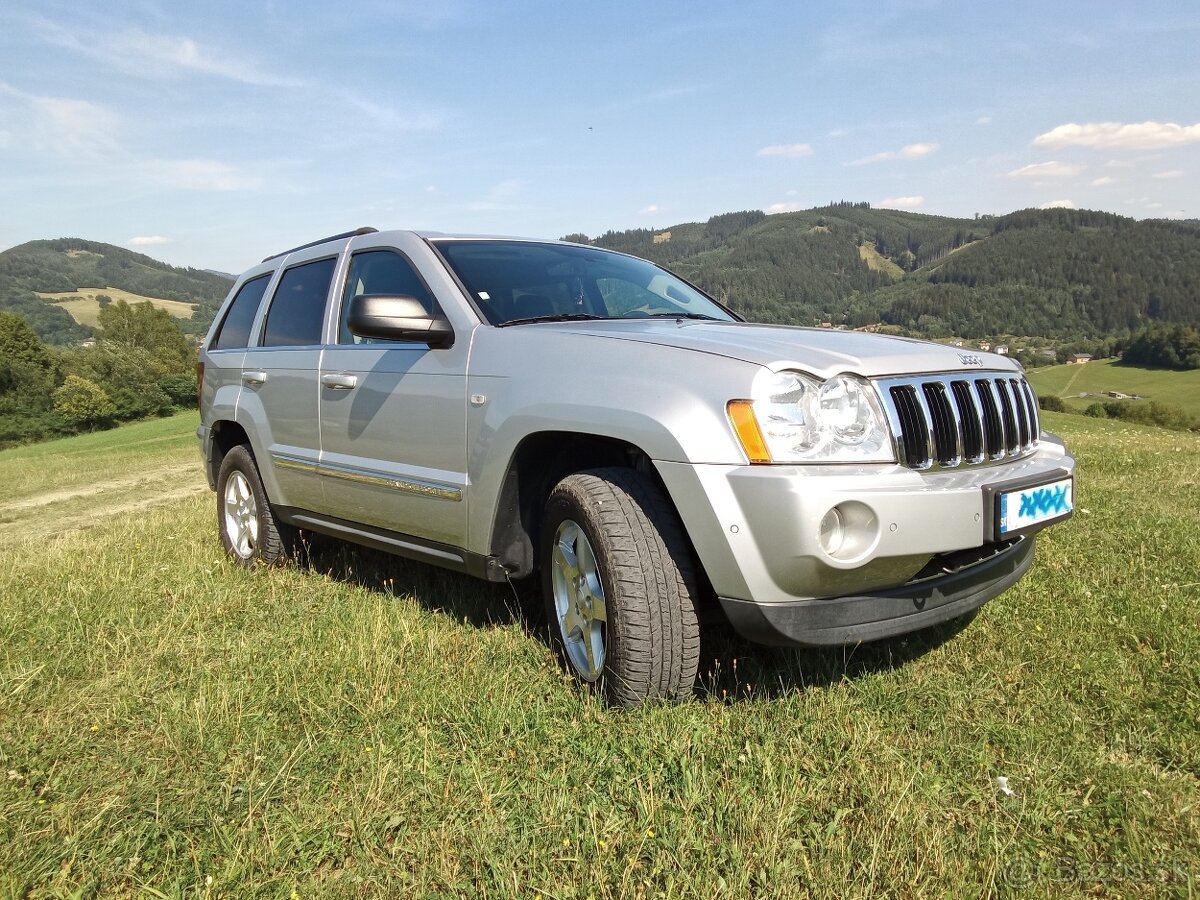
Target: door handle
340 381
253 379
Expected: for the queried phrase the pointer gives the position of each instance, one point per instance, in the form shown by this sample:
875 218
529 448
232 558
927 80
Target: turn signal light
745 426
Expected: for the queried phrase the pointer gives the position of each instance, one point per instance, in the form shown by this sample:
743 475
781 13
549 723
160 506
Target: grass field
84 308
172 726
1181 389
56 487
877 263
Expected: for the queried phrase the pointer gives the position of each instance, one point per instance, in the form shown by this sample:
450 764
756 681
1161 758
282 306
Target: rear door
280 377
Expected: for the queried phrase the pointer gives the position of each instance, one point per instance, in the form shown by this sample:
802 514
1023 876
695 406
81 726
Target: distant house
1117 395
958 343
1002 349
1047 352
826 324
1080 358
985 345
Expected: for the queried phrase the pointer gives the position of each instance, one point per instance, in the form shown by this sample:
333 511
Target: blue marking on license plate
1034 505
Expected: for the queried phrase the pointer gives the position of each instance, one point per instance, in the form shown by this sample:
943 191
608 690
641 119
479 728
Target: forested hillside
1059 274
68 264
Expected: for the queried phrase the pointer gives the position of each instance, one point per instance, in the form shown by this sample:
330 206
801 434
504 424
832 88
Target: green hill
1061 274
69 264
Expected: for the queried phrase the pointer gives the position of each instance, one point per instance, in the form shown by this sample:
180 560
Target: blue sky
211 134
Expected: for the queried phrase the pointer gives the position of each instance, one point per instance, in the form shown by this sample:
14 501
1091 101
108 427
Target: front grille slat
971 422
940 422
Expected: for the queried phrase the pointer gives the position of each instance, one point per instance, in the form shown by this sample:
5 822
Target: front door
393 418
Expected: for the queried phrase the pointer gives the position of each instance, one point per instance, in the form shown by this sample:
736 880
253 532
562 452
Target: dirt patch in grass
79 506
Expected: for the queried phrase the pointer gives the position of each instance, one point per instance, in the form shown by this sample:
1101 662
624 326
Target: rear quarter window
234 330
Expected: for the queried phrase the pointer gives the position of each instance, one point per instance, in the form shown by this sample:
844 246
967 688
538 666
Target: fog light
849 533
832 532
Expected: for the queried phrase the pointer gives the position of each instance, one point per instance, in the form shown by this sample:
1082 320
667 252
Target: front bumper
921 603
757 533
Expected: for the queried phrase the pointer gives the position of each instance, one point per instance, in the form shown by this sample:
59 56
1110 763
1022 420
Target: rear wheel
249 531
619 587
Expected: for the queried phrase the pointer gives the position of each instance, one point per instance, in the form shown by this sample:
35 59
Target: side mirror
397 318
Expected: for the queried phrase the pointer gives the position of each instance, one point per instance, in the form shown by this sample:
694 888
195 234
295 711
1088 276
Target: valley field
171 725
84 306
1181 389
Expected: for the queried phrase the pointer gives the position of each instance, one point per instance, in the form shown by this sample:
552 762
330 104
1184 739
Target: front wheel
619 585
250 533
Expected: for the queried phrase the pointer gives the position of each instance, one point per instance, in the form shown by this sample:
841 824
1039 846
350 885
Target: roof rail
366 229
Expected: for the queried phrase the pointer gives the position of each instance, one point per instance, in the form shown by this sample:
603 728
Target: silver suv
515 408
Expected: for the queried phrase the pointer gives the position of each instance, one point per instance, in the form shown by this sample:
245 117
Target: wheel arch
225 435
539 462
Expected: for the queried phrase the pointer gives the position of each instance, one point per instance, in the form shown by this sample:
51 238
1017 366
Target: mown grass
171 725
1181 389
84 307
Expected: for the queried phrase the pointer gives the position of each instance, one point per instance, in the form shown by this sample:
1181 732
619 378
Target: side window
235 329
381 272
297 311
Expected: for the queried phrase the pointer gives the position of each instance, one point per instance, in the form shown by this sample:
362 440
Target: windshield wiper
553 317
684 315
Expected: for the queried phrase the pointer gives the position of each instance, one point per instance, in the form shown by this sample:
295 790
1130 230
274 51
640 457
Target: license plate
1024 508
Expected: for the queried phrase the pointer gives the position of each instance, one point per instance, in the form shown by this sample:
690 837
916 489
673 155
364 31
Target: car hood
820 351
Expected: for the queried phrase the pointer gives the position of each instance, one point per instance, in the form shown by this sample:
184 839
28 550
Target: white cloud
1050 169
1173 173
908 151
1058 204
499 196
1120 136
916 151
784 207
984 120
76 129
154 55
199 175
150 240
837 133
385 117
902 202
1103 180
789 150
648 210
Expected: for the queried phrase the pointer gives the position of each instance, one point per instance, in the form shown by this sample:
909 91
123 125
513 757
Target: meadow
84 307
360 726
1179 389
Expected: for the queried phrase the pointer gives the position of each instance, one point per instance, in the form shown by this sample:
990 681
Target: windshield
513 282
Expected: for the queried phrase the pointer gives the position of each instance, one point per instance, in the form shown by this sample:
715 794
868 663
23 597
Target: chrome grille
947 421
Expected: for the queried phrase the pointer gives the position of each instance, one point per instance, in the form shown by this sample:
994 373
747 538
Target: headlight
796 418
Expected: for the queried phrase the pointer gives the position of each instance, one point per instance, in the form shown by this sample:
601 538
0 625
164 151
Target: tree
127 374
83 403
27 372
154 330
20 343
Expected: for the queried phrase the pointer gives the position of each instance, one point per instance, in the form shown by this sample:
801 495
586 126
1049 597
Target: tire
619 586
250 533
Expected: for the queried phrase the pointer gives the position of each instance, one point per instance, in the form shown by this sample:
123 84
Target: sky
211 134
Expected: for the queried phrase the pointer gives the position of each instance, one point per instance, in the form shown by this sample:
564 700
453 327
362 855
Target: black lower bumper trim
838 621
